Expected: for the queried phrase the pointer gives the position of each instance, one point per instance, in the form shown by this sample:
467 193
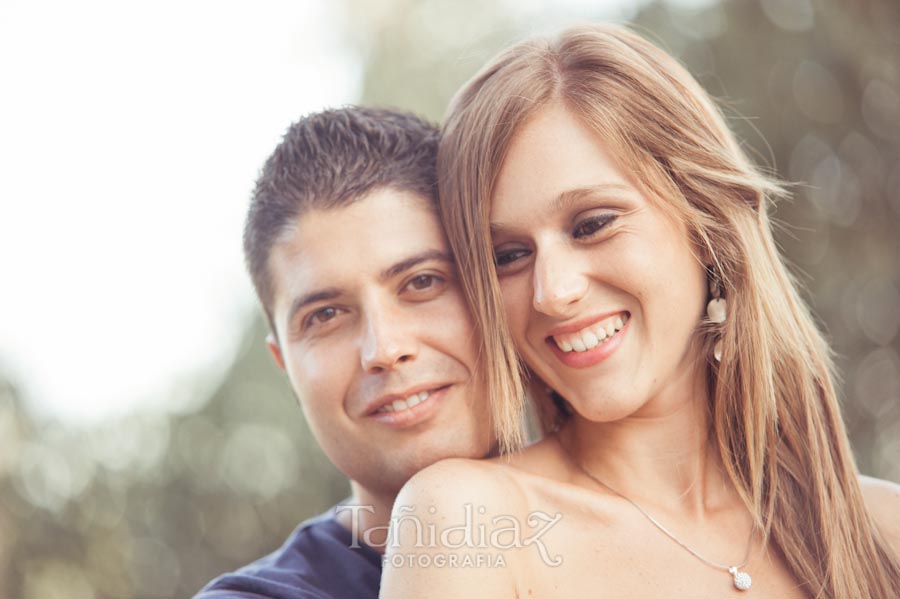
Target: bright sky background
130 136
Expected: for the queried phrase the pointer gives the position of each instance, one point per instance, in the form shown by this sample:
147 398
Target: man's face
376 339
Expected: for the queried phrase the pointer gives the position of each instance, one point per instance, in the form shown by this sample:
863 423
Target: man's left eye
423 282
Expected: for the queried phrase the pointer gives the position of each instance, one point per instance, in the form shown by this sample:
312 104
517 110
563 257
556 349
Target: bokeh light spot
790 15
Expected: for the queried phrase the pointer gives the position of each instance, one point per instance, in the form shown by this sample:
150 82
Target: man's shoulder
316 561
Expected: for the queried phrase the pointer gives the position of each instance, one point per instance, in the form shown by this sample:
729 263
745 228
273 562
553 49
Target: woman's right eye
505 258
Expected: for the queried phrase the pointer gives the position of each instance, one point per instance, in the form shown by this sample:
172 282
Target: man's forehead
327 247
388 222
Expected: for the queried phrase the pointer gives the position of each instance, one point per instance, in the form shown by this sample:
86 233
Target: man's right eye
320 316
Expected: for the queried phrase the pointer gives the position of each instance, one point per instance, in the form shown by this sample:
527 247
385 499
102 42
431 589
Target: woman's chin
605 408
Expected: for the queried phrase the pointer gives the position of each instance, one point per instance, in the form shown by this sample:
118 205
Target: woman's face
602 290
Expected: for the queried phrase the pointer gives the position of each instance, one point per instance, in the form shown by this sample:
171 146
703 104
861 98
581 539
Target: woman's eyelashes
592 225
506 259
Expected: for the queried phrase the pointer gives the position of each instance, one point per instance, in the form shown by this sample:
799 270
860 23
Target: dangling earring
716 312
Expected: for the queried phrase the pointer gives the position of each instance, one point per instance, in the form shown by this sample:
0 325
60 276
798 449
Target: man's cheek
451 316
315 367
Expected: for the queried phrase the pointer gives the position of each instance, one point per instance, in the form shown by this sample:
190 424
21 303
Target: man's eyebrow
412 261
571 196
321 295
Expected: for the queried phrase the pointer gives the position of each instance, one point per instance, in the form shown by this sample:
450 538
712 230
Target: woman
593 194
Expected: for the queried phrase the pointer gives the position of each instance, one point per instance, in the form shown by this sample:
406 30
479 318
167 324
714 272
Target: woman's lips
574 349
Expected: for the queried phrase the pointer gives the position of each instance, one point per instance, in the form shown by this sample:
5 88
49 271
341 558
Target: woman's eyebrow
610 190
499 228
565 200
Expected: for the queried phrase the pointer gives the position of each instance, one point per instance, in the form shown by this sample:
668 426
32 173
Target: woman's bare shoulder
457 481
437 516
883 500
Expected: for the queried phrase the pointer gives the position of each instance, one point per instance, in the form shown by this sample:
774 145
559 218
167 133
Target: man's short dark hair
331 159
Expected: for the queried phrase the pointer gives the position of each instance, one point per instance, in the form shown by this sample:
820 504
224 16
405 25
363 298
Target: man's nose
386 341
558 283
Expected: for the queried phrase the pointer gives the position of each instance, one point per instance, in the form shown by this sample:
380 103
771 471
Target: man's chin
473 451
396 464
430 456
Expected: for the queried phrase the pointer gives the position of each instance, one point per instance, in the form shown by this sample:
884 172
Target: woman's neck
660 455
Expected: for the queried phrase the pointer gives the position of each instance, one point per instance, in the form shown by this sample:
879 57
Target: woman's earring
717 351
716 312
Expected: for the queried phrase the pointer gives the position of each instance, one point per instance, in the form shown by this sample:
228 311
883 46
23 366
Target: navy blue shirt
315 562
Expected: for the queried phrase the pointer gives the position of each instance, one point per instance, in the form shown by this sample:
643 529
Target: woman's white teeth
590 337
403 404
590 340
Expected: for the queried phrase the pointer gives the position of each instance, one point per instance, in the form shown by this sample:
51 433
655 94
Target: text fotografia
499 533
445 560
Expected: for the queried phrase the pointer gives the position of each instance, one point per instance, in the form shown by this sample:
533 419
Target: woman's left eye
590 226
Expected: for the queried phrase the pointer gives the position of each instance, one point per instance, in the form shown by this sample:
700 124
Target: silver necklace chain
741 580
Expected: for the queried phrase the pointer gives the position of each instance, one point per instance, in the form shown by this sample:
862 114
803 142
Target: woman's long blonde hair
776 418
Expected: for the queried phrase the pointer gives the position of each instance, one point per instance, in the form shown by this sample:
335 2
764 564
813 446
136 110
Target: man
352 268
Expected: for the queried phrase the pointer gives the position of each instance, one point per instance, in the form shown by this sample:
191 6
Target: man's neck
367 515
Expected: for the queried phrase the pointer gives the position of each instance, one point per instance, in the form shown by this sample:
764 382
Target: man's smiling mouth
401 404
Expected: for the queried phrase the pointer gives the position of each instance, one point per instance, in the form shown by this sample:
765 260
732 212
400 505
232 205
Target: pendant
742 580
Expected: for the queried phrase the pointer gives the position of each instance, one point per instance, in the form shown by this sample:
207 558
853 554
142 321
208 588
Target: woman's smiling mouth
590 344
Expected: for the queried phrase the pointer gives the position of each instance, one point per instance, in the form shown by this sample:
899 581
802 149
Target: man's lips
417 408
401 400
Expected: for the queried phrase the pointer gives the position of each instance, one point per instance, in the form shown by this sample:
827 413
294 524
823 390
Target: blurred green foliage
154 505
